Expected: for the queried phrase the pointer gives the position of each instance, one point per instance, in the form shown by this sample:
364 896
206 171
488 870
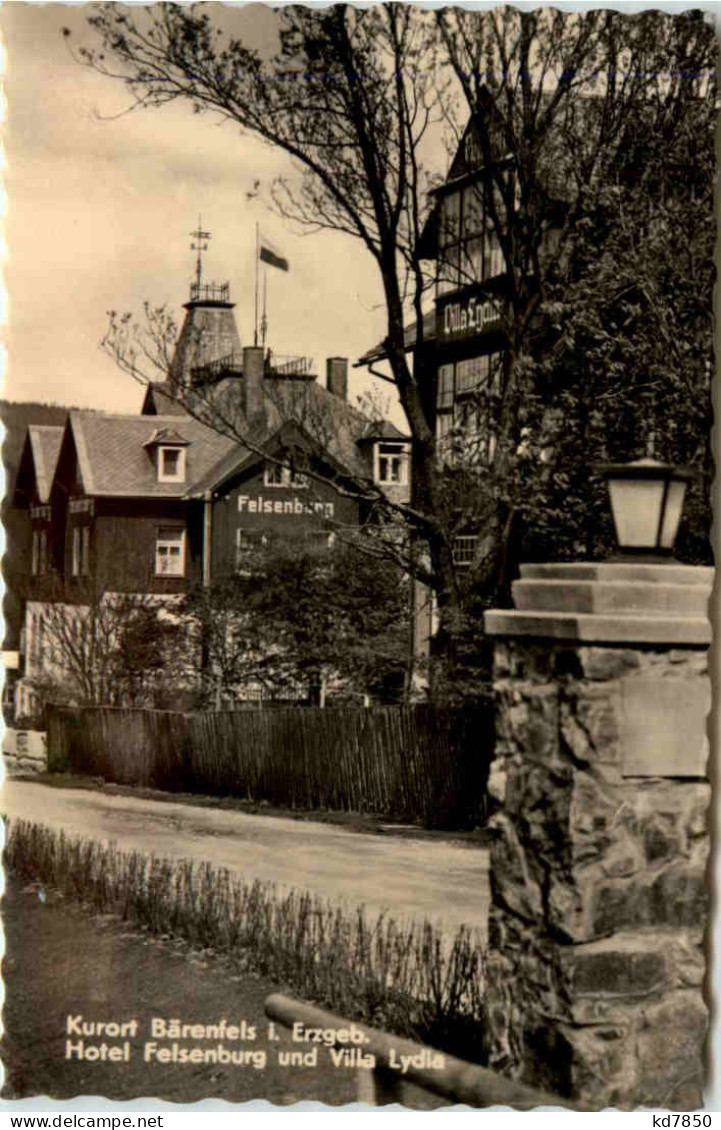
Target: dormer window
171 464
391 464
168 450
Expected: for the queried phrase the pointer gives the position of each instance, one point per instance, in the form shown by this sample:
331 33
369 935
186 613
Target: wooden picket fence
409 763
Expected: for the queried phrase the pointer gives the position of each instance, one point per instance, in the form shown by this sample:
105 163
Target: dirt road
443 881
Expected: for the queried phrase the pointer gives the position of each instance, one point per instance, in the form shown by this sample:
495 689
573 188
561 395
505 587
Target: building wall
16 567
124 541
249 504
123 535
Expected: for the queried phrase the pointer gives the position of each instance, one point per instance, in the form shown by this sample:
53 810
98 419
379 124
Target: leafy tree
302 621
606 123
585 123
601 203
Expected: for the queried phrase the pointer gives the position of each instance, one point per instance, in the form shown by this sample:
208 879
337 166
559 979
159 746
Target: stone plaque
663 727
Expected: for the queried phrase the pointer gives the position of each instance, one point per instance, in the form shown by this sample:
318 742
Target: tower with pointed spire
209 337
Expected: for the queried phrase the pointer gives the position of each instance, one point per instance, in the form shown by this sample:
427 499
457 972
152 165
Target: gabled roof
160 436
33 476
159 402
379 352
45 441
382 429
114 451
289 434
303 411
113 462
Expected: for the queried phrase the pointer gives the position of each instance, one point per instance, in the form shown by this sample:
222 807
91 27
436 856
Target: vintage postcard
357 448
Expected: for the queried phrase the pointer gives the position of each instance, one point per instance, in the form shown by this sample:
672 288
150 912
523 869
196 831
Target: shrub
408 978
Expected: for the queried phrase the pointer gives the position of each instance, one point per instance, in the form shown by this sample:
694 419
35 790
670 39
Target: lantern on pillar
647 500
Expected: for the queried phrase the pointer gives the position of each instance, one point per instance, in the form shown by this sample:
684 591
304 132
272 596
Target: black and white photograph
357 445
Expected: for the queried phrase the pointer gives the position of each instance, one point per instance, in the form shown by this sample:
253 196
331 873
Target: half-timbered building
459 355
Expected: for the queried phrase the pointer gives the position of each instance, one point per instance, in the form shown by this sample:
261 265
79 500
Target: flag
270 255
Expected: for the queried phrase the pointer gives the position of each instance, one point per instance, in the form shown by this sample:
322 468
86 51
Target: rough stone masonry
599 856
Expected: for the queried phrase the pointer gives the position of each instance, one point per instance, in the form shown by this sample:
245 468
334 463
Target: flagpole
255 334
264 319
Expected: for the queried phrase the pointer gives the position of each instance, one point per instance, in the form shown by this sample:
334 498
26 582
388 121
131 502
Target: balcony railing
275 365
210 292
282 365
230 365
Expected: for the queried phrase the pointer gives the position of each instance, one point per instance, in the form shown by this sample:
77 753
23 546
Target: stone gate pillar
599 835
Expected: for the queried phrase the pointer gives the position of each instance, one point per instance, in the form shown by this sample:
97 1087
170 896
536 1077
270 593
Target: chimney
253 375
336 376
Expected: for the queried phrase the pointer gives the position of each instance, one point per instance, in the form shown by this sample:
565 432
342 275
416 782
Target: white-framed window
464 550
80 564
170 552
171 464
273 475
39 562
248 544
283 475
391 464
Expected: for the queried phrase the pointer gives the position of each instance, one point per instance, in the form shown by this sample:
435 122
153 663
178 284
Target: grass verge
406 978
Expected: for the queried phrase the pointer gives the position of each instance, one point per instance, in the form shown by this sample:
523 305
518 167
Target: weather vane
199 244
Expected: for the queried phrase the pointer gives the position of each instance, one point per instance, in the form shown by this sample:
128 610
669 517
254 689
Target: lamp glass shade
636 506
672 513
